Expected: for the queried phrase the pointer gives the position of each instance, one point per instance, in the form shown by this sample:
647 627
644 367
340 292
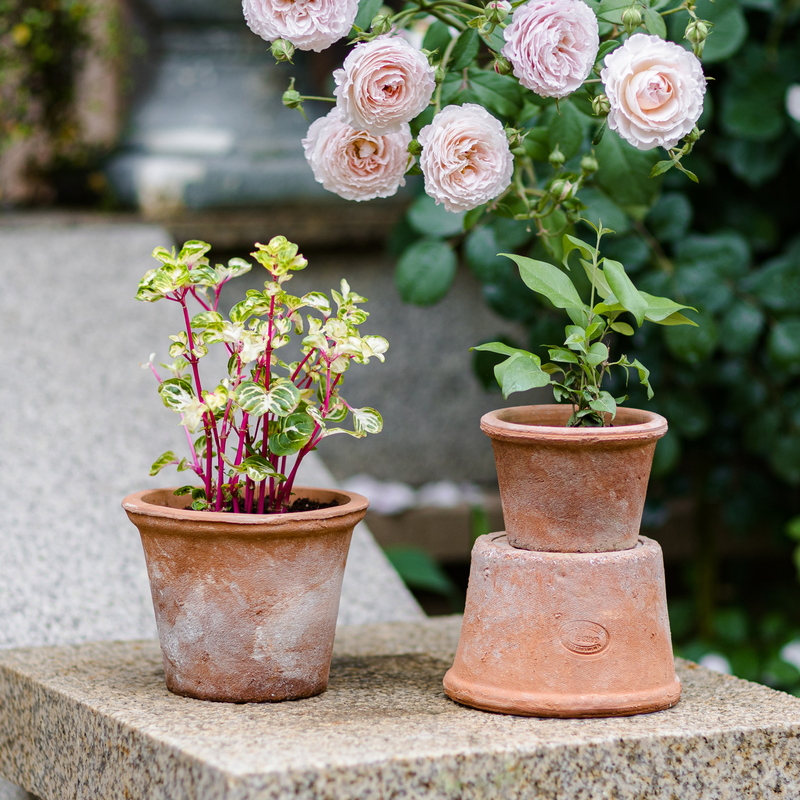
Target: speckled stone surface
95 721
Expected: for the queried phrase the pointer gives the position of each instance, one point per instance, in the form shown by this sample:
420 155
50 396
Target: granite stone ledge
95 721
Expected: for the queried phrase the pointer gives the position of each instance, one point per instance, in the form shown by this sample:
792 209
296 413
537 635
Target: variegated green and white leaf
164 460
208 319
373 346
259 469
235 268
319 301
204 275
176 393
282 398
367 420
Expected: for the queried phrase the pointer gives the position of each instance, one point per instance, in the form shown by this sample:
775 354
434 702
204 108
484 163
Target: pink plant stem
193 361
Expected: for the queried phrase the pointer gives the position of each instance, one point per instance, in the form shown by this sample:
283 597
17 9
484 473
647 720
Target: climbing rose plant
258 423
493 88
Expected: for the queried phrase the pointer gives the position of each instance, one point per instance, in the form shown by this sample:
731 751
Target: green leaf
624 290
598 353
661 308
675 319
367 11
600 208
624 174
740 328
437 37
499 347
164 460
537 144
425 272
570 243
419 571
367 420
565 129
562 355
465 49
431 219
295 432
605 404
661 167
500 94
520 373
670 217
547 280
783 344
623 328
752 108
654 23
693 345
644 377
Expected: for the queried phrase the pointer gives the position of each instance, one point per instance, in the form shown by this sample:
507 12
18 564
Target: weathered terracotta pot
245 604
565 634
569 490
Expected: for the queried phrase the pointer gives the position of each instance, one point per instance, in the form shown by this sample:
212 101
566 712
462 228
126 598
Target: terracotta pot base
565 634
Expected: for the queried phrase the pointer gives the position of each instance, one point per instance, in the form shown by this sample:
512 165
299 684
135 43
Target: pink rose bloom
307 24
552 45
655 89
353 163
465 157
384 84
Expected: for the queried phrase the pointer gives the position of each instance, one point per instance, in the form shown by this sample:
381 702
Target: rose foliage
256 424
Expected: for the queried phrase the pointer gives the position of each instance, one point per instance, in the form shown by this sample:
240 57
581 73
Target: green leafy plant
265 410
584 359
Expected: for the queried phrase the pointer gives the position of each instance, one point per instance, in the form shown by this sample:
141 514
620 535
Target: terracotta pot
245 604
565 634
567 490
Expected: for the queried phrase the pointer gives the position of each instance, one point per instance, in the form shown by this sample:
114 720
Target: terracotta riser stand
567 617
565 634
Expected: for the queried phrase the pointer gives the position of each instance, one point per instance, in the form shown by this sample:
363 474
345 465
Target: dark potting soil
304 504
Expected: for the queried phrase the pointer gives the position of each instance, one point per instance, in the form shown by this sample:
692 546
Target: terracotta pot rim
138 504
647 426
500 546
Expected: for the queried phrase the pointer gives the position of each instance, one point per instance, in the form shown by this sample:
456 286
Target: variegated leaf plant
265 410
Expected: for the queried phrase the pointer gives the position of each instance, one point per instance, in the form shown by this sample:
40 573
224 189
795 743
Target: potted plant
571 569
246 568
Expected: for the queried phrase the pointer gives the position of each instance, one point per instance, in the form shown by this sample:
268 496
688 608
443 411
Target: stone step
96 720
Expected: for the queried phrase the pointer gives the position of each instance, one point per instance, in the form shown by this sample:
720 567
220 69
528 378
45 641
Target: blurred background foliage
729 246
39 50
